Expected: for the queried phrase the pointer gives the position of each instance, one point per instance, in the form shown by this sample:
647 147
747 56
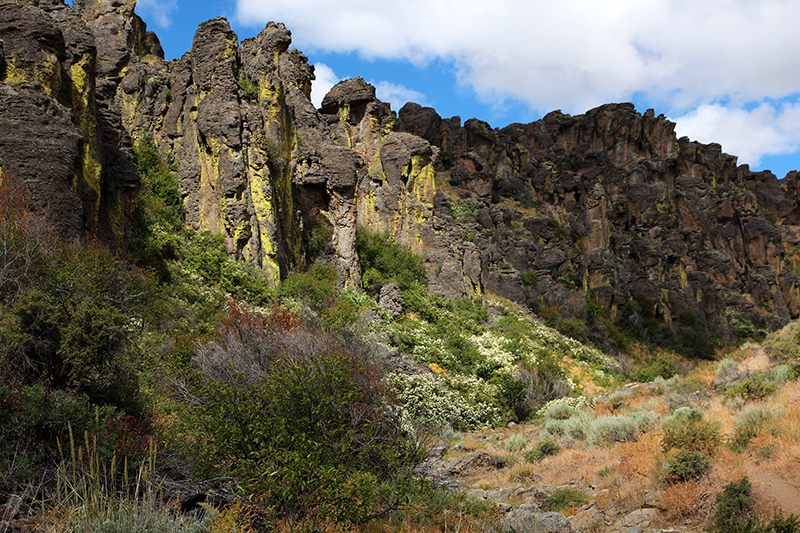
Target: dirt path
785 495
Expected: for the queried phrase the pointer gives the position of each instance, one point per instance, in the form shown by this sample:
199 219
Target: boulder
471 463
641 517
391 299
529 519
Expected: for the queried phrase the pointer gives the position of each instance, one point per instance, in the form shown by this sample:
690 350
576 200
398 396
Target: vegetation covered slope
130 391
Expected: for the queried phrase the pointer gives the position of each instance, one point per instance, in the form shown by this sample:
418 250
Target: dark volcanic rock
74 154
349 93
607 206
40 145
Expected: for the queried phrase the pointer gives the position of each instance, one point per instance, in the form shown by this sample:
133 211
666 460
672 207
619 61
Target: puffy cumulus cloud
768 129
160 11
325 79
397 95
570 54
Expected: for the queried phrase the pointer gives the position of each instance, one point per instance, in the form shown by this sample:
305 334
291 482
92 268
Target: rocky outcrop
608 207
612 206
56 134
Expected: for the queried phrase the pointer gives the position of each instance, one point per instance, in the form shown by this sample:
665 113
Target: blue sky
724 71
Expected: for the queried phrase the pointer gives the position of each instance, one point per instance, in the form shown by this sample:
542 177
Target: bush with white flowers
459 401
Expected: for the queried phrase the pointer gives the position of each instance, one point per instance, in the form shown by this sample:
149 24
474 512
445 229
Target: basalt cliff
608 207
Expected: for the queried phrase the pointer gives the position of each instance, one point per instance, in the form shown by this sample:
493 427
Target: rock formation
607 206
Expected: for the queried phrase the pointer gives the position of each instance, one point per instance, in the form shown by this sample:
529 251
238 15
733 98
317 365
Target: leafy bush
735 513
246 282
664 366
751 388
75 328
530 279
317 233
304 423
383 260
576 427
785 343
564 498
544 449
317 287
685 466
158 212
462 402
562 409
727 368
247 89
206 255
685 429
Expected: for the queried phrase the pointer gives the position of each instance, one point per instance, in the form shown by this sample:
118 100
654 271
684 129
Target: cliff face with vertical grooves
608 205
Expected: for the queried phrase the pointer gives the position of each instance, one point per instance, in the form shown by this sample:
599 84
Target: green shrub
564 498
747 426
685 466
462 402
247 89
515 443
530 279
664 366
383 260
606 430
575 427
544 449
429 307
778 374
158 212
513 397
317 233
306 424
316 288
727 367
685 429
559 411
785 343
246 282
205 256
735 513
76 328
751 388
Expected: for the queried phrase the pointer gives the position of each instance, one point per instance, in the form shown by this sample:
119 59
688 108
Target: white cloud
159 11
570 54
397 95
750 134
325 78
681 56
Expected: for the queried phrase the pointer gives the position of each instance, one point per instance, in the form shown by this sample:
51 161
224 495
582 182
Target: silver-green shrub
606 430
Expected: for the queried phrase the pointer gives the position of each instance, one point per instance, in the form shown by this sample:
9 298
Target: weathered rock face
607 206
611 205
57 134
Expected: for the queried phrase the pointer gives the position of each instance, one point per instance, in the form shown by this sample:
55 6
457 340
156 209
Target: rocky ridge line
608 205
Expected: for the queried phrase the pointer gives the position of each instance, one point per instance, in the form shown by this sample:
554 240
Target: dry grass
627 476
692 499
755 361
637 459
